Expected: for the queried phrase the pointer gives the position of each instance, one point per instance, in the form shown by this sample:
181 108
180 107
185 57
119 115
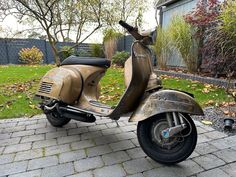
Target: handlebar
133 31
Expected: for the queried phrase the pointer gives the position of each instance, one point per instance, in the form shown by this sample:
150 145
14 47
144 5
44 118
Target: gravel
217 116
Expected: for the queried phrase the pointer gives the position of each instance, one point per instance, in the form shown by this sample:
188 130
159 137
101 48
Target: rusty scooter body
165 129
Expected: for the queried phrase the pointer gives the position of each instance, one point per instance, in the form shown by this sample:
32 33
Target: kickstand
117 123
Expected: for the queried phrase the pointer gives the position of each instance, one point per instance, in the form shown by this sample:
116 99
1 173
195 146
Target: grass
19 83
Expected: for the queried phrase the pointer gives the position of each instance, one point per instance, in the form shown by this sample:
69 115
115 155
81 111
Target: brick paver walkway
31 147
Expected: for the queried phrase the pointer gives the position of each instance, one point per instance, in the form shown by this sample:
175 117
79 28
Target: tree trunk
54 49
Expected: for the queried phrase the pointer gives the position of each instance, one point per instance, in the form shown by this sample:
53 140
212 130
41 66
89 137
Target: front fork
176 124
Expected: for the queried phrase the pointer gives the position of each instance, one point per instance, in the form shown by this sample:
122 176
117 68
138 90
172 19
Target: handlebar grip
126 25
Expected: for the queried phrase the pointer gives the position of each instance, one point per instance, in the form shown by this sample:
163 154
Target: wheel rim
166 143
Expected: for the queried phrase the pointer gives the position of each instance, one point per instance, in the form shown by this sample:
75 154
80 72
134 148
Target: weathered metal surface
65 84
166 101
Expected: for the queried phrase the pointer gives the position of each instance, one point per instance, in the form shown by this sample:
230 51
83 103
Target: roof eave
169 2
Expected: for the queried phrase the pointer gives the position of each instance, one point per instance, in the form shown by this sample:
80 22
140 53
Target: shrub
30 55
162 47
110 42
120 57
65 52
96 50
82 53
181 34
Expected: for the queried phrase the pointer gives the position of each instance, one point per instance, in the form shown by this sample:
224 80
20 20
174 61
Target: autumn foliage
30 55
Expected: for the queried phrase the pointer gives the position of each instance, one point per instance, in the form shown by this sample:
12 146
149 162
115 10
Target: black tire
180 151
56 120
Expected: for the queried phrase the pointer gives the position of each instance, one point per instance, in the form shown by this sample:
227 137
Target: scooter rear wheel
171 151
56 120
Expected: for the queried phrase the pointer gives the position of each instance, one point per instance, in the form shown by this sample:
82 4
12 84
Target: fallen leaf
206 122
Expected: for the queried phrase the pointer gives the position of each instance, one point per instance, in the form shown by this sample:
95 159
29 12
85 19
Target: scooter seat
94 61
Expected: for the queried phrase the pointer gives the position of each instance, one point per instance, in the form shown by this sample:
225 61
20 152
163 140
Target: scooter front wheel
56 120
170 150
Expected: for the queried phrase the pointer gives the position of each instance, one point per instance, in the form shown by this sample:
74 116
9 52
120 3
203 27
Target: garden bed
217 82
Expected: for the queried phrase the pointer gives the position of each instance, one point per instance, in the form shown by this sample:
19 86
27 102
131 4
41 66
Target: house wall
179 8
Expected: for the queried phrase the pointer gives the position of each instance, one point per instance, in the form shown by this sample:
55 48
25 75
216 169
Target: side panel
63 83
166 101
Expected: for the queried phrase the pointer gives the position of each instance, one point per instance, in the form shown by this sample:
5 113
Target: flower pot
228 123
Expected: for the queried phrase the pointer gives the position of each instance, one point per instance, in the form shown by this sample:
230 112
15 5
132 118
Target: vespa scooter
165 130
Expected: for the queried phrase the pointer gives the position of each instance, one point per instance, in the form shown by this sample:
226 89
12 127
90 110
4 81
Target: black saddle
94 61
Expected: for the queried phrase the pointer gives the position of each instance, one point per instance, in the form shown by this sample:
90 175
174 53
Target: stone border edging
208 80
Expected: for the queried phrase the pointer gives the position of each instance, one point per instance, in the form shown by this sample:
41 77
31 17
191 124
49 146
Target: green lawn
19 83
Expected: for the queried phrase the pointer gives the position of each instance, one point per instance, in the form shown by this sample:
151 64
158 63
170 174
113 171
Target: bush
182 37
82 53
30 55
120 57
65 52
96 50
162 47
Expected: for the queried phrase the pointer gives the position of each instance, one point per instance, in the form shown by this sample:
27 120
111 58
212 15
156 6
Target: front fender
166 101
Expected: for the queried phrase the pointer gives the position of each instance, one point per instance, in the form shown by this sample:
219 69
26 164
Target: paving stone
42 162
27 122
207 128
6 142
228 155
209 161
194 154
113 124
5 136
12 168
45 130
57 134
17 148
91 135
58 171
71 156
201 130
105 139
128 128
135 142
83 174
103 121
68 126
97 127
115 157
203 138
215 135
110 171
136 175
44 143
30 154
137 165
88 164
154 163
1 149
34 173
214 172
220 143
13 129
82 144
126 135
121 145
32 138
98 150
85 124
230 169
8 124
136 153
205 148
77 131
35 126
52 150
111 131
68 139
8 158
23 133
